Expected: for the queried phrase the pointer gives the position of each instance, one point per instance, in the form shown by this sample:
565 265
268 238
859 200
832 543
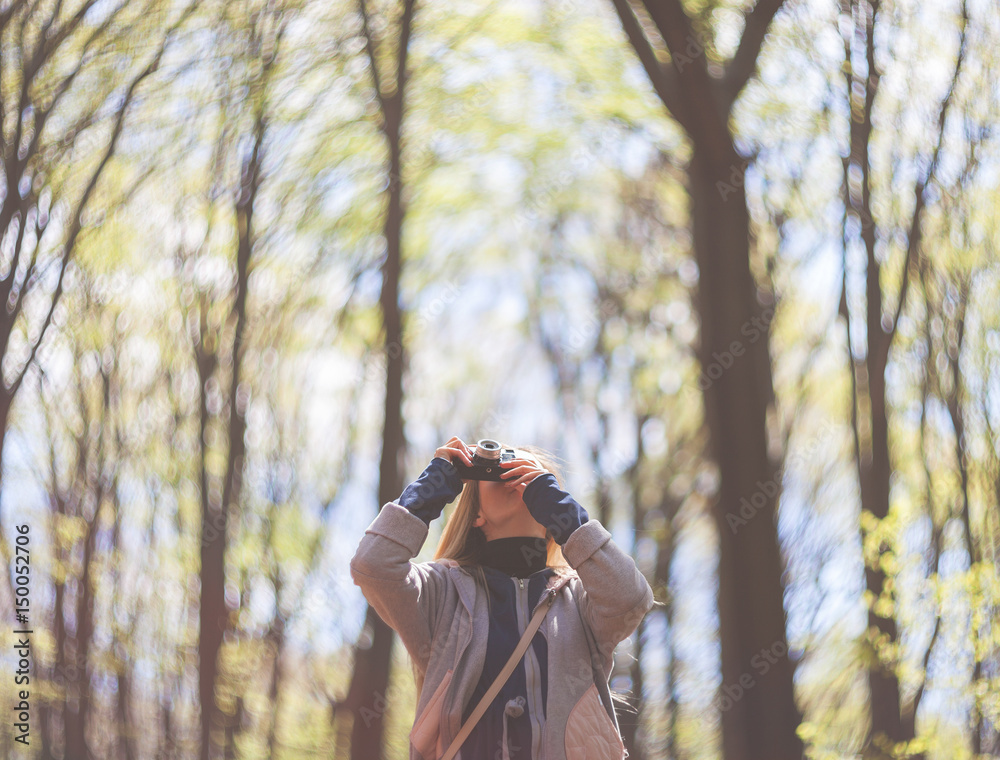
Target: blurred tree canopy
735 264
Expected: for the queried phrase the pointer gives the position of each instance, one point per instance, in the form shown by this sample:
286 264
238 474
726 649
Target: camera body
485 461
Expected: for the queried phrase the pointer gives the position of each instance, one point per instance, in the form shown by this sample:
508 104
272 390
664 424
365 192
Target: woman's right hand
455 448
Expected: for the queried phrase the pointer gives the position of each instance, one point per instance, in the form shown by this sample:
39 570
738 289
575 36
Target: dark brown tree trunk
757 702
957 413
277 636
762 716
214 617
78 690
874 472
370 679
168 744
212 611
629 723
124 720
57 709
668 508
890 723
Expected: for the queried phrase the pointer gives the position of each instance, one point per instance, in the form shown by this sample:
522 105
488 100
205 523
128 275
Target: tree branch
371 45
700 91
920 191
76 224
664 80
744 63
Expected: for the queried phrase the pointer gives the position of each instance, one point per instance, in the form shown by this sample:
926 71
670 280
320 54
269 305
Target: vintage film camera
485 461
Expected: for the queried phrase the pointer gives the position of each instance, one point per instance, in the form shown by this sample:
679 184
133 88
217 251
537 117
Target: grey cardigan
440 614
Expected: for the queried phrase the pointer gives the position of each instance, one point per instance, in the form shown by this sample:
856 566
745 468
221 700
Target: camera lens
487 448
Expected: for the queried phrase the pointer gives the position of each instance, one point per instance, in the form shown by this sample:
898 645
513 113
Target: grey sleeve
405 594
616 595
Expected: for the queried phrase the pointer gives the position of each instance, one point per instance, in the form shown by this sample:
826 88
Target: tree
892 721
63 106
372 663
699 89
218 332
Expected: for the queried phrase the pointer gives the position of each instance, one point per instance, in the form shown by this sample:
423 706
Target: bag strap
515 658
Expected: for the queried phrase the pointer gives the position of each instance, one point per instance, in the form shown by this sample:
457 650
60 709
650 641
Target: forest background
735 264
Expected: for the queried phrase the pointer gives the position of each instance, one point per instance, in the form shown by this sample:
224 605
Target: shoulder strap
515 657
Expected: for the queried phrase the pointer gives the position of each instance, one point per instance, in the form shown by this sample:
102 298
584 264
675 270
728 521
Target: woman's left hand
520 472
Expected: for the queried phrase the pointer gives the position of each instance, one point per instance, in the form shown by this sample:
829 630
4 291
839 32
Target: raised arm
406 594
616 595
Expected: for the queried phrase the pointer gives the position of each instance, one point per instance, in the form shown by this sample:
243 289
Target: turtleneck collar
518 556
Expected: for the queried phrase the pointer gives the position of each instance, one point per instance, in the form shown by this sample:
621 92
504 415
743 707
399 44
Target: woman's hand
520 472
455 448
437 485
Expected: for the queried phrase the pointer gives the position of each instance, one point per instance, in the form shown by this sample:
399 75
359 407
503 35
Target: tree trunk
214 617
759 715
757 702
868 376
77 709
883 683
277 676
370 679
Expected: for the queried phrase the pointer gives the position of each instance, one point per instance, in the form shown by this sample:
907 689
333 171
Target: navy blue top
523 697
516 576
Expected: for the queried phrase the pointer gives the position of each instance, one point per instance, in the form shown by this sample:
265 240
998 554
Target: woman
461 615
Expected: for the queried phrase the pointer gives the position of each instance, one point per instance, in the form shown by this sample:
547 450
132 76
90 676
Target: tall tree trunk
759 715
957 413
78 692
370 679
874 468
214 617
78 689
630 723
762 718
889 723
277 676
667 545
54 716
124 720
874 474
